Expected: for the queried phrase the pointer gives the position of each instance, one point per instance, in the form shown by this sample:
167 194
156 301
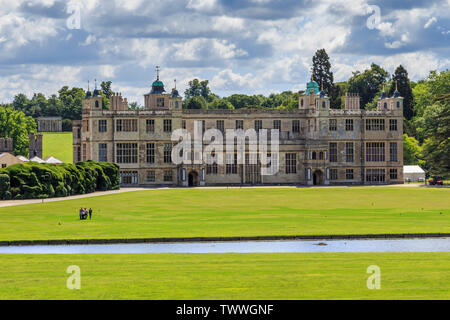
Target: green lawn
58 145
235 212
227 276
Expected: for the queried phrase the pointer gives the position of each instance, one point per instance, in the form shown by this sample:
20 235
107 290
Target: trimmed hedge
32 180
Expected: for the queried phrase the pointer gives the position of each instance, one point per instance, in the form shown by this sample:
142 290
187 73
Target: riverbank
223 239
249 276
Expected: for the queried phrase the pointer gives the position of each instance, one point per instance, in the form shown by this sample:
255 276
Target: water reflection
397 245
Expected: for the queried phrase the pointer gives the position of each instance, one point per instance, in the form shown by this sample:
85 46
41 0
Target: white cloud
202 5
228 80
90 39
430 22
107 71
200 49
19 31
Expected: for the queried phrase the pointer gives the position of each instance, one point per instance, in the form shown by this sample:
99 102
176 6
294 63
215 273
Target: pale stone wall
312 139
49 124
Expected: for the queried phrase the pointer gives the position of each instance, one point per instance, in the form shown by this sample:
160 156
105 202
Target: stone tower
35 145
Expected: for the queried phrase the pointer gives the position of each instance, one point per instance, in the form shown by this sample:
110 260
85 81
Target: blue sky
241 46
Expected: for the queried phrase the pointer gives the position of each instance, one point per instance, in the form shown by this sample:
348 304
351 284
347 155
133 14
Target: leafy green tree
411 150
67 125
368 83
436 148
198 88
135 106
72 100
54 107
106 93
426 91
240 101
220 104
106 88
401 82
16 125
195 103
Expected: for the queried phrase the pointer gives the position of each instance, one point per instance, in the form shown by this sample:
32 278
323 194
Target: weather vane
157 72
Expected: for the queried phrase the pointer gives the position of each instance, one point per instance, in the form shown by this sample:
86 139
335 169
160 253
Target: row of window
130 125
375 152
131 177
371 125
372 175
128 153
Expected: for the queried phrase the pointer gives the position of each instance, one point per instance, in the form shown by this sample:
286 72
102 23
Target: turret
157 98
322 101
393 104
94 101
175 98
308 99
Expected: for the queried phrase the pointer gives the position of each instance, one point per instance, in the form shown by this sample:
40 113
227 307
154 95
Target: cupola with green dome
312 87
157 85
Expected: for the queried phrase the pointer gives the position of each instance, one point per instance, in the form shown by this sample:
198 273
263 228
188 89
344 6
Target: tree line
426 106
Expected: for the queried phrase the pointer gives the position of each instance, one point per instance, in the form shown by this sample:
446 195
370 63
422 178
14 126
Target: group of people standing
84 213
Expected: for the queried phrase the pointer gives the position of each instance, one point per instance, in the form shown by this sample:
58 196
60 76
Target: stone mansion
317 145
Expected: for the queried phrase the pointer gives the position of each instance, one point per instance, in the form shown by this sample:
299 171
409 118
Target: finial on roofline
157 73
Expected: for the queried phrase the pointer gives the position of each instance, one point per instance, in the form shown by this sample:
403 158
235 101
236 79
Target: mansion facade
317 145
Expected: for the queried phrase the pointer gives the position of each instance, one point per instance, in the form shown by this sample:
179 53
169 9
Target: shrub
33 180
4 185
67 125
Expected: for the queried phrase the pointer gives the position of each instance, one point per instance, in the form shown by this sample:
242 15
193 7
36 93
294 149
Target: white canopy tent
53 160
413 174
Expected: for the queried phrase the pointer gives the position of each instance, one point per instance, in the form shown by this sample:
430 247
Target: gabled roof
51 159
412 169
37 159
22 158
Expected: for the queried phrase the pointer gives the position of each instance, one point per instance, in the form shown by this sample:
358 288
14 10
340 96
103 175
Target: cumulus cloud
228 80
252 46
430 22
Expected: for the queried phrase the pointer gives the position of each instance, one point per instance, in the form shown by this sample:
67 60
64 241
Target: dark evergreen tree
321 70
400 80
322 74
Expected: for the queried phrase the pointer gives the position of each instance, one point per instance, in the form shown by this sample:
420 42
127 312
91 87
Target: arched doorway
193 179
318 178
